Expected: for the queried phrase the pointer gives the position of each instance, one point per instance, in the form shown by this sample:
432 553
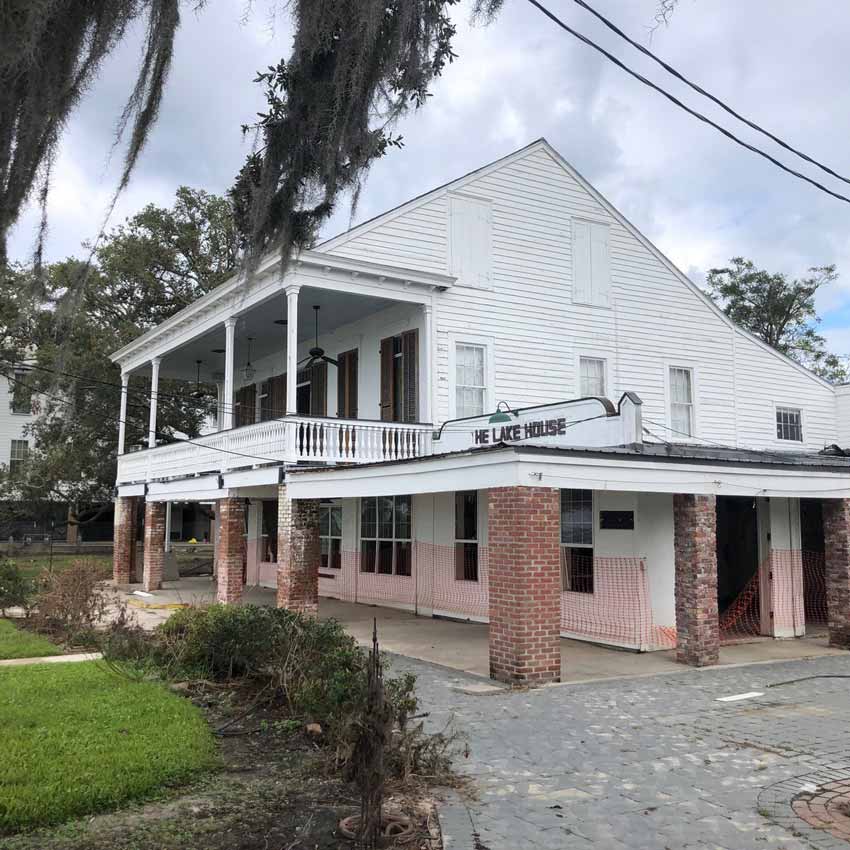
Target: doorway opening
738 568
814 565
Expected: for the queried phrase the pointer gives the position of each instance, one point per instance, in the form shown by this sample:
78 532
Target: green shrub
311 669
16 589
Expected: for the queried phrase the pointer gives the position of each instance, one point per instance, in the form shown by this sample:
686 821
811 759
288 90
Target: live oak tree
778 309
143 272
355 68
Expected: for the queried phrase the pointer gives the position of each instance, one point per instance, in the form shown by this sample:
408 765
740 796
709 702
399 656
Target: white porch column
292 348
154 397
122 416
219 399
229 356
427 360
168 527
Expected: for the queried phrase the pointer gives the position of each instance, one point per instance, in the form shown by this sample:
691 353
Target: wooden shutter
410 360
581 262
346 385
277 396
319 389
387 379
600 264
246 404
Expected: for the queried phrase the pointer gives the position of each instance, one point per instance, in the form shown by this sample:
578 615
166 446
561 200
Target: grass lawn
18 643
32 566
78 738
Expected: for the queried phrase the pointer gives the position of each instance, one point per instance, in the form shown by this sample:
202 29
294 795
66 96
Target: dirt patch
274 791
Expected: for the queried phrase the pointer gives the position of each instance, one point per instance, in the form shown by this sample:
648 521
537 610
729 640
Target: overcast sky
701 198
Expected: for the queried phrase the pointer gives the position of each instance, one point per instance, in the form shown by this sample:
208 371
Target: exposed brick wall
124 565
695 545
231 549
525 584
836 533
298 553
154 545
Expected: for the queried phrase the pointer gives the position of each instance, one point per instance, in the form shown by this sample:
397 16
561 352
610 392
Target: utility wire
698 115
697 88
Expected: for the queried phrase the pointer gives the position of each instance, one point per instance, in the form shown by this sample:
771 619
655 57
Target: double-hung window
789 424
592 376
470 380
18 457
466 535
681 401
330 536
386 535
577 541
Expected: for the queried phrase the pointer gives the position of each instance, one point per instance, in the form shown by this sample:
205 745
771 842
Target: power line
698 115
697 88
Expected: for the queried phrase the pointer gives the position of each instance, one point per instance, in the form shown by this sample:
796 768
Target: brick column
695 545
231 549
298 553
525 584
154 545
836 534
124 540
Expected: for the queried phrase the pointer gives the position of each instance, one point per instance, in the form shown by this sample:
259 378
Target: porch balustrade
292 439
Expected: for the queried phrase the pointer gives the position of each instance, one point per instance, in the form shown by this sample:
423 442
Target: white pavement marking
736 697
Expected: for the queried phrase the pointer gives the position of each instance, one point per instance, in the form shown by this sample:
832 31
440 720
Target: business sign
584 422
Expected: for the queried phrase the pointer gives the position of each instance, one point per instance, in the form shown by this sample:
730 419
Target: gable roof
542 144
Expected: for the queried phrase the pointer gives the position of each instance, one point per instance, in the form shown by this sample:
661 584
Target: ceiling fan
317 354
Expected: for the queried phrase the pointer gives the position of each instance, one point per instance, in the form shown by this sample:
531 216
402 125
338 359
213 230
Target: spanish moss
50 54
356 67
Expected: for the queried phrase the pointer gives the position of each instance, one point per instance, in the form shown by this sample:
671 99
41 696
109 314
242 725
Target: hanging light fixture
249 371
198 392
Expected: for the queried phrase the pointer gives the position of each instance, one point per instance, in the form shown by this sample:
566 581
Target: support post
695 555
154 560
836 533
124 540
298 554
231 554
154 398
122 415
525 584
292 348
427 358
229 358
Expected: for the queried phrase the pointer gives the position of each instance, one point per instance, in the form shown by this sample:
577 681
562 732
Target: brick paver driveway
653 762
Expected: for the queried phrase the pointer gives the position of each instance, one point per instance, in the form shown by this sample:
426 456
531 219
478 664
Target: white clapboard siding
655 318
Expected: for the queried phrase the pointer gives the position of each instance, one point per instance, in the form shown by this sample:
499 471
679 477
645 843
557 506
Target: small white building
500 402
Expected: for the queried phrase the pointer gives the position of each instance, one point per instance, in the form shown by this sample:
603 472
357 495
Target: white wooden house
635 422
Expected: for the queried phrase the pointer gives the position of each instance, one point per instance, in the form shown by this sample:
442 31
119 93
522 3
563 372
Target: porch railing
292 439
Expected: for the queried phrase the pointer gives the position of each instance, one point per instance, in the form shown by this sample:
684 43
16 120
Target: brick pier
231 549
154 559
836 533
298 554
695 545
525 584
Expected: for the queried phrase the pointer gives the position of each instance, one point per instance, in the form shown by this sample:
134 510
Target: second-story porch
331 363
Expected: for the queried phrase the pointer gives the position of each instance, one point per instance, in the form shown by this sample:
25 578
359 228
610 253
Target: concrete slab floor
463 645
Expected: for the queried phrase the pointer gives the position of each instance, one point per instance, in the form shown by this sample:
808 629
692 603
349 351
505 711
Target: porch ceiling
337 310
